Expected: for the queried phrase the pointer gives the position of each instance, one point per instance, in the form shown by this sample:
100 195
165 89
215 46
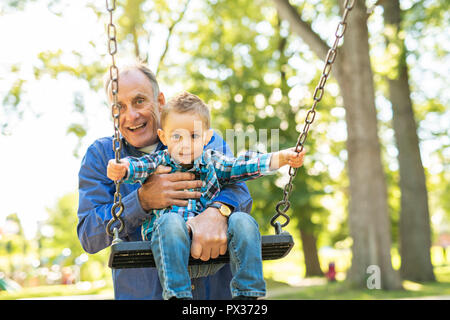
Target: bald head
140 67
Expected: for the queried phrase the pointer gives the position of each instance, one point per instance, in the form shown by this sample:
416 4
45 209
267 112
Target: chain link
283 205
118 206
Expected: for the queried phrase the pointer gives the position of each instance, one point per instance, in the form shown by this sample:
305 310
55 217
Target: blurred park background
374 190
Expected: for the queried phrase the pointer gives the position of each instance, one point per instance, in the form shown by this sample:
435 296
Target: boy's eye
195 136
175 137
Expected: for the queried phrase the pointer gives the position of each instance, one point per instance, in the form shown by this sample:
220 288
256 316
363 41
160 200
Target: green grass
56 291
340 290
276 290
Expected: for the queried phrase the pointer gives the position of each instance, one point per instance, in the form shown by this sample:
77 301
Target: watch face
224 210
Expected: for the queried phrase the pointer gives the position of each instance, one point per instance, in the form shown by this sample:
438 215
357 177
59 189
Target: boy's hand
116 171
293 158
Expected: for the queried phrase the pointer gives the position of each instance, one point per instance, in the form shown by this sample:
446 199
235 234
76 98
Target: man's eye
122 107
140 101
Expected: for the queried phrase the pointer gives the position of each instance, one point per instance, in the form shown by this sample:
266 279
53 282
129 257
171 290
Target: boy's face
185 135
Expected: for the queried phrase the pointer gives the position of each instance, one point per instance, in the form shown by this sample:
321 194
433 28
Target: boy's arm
139 169
249 166
236 196
252 165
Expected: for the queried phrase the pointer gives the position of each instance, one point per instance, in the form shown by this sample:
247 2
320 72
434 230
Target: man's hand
209 234
163 189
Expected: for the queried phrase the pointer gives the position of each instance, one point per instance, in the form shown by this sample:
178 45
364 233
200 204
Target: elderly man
141 103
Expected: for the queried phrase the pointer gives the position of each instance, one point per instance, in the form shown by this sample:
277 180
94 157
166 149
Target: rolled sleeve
225 198
264 163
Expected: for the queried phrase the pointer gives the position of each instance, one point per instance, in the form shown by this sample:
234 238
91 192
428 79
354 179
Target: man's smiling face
139 113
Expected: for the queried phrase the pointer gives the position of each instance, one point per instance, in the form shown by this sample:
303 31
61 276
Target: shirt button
193 287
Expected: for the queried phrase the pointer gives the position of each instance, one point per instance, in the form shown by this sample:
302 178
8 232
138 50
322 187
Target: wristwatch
223 209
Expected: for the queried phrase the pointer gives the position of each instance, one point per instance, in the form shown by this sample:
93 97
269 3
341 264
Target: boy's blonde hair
186 102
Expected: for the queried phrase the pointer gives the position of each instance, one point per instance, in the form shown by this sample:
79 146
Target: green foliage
15 4
51 64
244 62
63 219
13 242
242 65
77 129
11 104
426 13
423 33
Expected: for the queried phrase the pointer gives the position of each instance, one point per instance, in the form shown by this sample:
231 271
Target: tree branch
172 26
371 9
301 28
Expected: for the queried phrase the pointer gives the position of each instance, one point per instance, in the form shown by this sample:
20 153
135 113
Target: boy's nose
186 145
186 148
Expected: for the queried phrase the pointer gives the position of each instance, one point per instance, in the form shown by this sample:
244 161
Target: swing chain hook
118 207
283 205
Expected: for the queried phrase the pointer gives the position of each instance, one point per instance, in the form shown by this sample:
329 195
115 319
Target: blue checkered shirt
213 168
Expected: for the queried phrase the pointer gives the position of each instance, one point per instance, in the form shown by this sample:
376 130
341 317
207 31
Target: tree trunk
368 210
306 230
415 230
310 254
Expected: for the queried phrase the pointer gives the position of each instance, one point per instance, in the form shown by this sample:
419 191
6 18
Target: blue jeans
171 246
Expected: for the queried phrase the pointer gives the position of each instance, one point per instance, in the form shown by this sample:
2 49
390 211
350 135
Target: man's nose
130 113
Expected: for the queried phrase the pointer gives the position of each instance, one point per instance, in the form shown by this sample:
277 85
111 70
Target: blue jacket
94 211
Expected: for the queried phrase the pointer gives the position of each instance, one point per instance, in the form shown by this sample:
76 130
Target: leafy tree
368 208
63 220
256 73
415 231
242 63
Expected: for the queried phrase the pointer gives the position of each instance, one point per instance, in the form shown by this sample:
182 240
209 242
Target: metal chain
284 204
115 111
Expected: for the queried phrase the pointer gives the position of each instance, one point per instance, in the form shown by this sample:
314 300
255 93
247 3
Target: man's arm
96 197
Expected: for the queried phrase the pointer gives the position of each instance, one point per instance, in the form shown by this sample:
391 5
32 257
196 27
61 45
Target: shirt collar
198 163
135 152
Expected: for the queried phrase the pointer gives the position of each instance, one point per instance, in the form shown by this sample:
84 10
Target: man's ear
161 101
208 135
162 136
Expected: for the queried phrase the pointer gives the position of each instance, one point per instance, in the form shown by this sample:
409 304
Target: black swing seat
138 254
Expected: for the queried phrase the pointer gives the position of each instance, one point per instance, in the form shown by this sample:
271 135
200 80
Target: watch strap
214 205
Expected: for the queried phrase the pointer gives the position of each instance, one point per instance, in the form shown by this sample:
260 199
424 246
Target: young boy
185 130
